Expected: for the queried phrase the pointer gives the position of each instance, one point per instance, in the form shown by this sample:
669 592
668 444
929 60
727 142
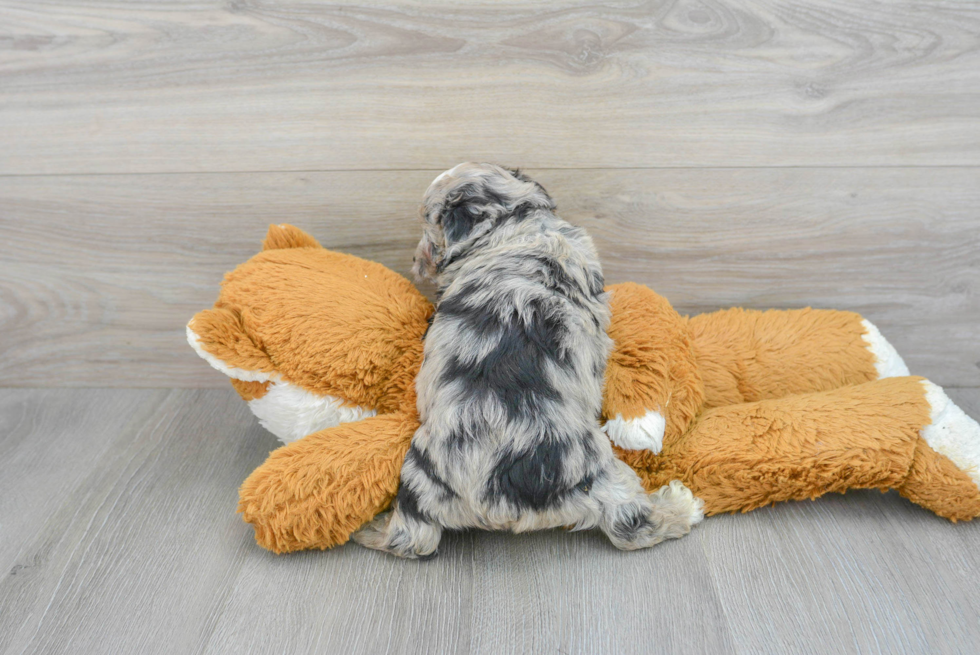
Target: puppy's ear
516 172
459 219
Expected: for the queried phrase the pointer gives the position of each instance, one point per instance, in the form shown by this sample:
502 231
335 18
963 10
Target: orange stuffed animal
745 407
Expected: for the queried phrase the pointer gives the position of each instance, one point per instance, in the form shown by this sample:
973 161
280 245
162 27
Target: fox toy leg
653 388
897 433
315 492
749 355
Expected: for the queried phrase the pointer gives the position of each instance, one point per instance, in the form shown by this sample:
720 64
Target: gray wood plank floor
118 535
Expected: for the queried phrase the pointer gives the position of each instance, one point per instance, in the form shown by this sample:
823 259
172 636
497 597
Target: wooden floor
119 535
761 153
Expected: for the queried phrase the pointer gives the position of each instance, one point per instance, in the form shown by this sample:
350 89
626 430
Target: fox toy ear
219 336
284 236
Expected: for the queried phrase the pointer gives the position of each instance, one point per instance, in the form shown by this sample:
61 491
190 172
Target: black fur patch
458 221
534 480
521 212
599 368
460 215
596 284
592 454
626 528
530 480
423 462
459 440
543 332
476 318
514 371
408 504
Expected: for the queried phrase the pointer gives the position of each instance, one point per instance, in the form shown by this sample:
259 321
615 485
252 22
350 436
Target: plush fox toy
745 407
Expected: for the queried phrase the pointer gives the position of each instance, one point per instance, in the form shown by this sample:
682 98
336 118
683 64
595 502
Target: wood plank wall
765 154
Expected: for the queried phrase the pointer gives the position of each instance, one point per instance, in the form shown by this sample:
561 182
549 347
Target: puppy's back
511 383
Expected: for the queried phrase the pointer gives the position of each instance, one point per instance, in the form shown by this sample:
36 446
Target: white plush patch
888 362
291 413
230 371
952 433
287 411
643 433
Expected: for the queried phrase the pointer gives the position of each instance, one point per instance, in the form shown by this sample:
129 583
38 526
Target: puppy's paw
678 508
669 513
393 533
642 433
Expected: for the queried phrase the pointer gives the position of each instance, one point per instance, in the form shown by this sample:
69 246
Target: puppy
510 388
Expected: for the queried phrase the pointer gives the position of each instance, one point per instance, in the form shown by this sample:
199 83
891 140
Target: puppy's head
466 202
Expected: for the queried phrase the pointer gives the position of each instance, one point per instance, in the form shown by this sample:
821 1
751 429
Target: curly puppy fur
510 388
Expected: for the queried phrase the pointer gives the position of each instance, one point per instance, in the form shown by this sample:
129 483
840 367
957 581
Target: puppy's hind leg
632 519
405 531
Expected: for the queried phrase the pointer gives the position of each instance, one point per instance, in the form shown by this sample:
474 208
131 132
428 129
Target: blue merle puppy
510 388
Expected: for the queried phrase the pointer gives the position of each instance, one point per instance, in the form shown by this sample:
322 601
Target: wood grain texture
145 543
118 534
49 442
122 86
99 274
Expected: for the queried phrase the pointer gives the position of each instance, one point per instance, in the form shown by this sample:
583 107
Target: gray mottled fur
510 389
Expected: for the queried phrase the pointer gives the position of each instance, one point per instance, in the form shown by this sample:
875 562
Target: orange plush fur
759 406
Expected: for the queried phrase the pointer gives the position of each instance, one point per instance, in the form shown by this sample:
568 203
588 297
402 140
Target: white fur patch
888 362
952 433
291 412
445 173
643 433
230 371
